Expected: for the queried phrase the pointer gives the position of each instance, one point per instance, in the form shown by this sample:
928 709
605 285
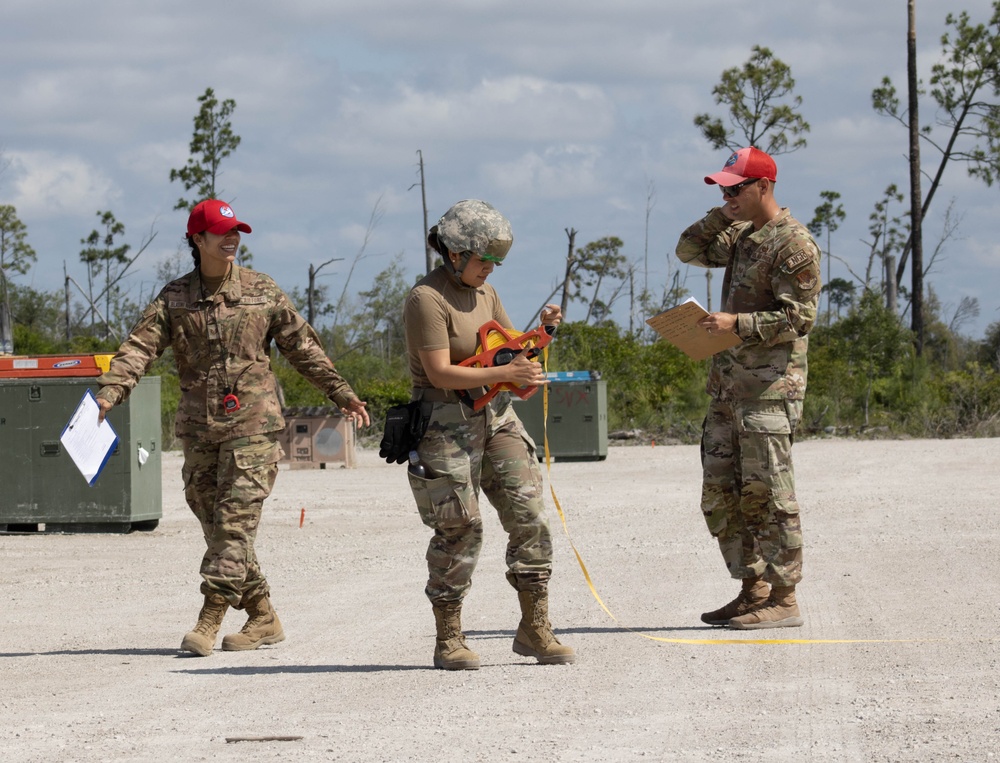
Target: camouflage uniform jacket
248 311
772 284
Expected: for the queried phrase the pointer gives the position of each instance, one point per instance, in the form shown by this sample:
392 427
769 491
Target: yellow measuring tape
593 590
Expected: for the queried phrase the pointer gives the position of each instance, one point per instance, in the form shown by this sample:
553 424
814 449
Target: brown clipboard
679 326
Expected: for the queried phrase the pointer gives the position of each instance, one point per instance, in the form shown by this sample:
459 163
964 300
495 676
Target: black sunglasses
734 190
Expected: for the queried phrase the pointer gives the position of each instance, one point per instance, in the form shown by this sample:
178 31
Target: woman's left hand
551 315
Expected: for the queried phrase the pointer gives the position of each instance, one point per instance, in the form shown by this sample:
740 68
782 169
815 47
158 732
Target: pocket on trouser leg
443 502
259 462
764 433
769 417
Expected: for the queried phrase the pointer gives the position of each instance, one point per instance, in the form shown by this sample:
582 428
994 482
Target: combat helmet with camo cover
472 227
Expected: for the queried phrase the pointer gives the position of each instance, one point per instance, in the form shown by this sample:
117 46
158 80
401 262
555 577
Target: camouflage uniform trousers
463 450
225 485
748 492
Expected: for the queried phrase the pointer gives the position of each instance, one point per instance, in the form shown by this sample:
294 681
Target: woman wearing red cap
220 320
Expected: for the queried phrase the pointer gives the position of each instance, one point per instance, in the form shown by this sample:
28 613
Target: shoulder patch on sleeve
807 280
796 261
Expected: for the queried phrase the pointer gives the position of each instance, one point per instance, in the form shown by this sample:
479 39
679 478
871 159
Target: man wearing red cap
220 319
770 294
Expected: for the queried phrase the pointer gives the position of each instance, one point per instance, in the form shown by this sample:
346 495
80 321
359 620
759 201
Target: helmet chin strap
457 272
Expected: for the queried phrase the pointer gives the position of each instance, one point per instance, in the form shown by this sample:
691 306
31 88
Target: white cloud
556 173
558 112
504 109
48 185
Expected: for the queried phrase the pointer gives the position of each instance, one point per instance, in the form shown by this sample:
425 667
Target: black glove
396 437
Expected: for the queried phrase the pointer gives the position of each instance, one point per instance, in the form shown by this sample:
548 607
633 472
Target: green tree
971 402
944 345
653 386
826 219
213 141
381 313
888 235
877 344
839 293
16 256
38 319
965 87
989 348
602 261
102 254
860 372
761 105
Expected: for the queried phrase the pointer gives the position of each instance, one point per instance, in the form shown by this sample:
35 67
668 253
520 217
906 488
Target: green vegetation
864 376
869 374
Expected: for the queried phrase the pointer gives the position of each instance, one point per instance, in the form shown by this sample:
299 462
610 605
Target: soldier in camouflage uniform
770 294
220 320
464 449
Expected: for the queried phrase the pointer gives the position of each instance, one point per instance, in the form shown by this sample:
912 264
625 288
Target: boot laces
771 610
255 622
453 644
208 622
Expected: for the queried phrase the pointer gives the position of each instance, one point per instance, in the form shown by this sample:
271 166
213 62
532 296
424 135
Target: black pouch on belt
405 425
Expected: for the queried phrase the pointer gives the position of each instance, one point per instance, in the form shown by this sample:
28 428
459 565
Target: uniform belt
434 395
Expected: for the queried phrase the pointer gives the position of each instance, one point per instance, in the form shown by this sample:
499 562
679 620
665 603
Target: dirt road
899 659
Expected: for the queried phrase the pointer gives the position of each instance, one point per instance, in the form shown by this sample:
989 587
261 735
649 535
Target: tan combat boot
201 640
262 627
754 594
534 633
779 611
450 649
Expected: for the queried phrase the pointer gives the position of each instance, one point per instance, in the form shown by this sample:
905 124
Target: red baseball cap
745 164
214 216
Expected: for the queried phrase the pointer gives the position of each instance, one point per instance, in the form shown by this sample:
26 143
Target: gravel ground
897 661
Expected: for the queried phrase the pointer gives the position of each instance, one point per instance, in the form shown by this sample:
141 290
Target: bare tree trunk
916 214
69 331
310 306
708 290
428 251
94 309
631 300
650 201
891 295
829 259
868 397
564 302
6 322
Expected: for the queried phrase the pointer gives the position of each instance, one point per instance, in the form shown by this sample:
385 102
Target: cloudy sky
563 114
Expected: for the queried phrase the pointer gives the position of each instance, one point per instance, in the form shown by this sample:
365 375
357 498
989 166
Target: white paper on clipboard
88 443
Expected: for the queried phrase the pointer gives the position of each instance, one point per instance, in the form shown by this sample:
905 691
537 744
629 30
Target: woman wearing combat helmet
464 449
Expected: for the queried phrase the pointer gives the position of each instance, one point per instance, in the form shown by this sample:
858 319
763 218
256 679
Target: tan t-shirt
438 314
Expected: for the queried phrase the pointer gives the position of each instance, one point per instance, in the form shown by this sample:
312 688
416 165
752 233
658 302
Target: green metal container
577 420
41 490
